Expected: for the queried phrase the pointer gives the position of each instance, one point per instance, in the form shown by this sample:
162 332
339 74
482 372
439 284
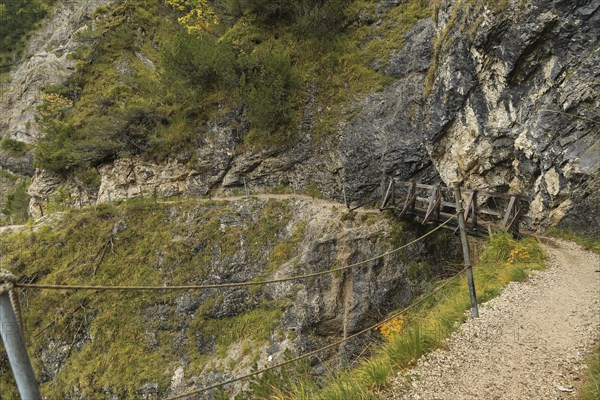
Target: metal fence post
465 249
16 351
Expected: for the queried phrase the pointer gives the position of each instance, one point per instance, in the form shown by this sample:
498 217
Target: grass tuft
591 243
591 388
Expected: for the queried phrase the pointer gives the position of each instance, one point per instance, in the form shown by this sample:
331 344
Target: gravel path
529 342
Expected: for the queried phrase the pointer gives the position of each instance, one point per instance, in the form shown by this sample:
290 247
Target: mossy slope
103 343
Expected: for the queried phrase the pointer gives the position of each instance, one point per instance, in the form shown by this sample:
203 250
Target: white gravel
529 342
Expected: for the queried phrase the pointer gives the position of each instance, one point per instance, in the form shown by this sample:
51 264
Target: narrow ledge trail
530 342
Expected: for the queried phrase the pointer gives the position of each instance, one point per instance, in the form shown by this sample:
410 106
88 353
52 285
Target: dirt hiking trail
529 342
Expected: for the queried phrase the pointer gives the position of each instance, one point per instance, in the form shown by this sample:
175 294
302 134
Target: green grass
591 386
591 243
503 260
135 338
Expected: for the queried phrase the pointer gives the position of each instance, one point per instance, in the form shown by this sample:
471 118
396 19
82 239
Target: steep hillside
182 97
131 345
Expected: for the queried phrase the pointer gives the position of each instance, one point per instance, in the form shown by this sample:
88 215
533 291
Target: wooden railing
483 211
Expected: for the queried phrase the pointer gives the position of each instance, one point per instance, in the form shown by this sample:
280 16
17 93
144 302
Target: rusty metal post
466 251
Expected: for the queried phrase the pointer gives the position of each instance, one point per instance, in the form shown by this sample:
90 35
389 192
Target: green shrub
14 147
322 19
315 16
102 138
269 11
268 88
17 204
200 62
177 137
67 148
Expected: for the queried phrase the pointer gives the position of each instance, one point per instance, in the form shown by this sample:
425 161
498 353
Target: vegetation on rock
119 341
152 90
18 18
425 327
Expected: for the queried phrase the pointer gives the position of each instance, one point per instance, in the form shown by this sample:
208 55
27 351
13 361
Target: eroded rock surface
515 102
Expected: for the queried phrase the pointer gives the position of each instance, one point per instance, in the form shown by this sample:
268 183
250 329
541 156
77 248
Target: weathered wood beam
411 198
386 198
509 211
434 202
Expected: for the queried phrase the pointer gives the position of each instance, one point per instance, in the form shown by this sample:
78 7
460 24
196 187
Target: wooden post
517 215
513 225
17 354
508 213
466 251
411 199
345 198
474 210
435 201
413 192
386 197
439 199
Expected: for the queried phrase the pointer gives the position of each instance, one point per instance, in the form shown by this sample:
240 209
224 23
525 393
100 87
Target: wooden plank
509 211
469 191
474 210
423 186
513 226
489 211
468 207
438 206
504 195
430 206
410 199
443 203
434 202
386 198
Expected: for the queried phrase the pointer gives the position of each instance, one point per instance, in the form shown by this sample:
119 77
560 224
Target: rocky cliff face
47 61
502 95
515 104
386 138
512 104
